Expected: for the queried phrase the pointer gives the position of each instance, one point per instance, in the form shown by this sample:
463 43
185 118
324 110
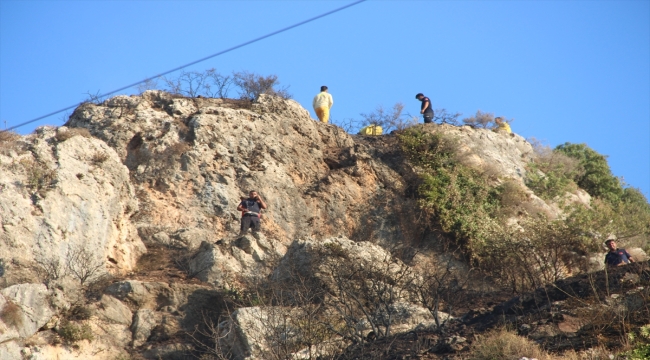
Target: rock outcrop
165 173
61 197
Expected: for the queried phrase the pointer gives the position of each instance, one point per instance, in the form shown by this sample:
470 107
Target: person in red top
251 209
616 256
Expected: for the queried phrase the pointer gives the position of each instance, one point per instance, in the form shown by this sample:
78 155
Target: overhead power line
194 62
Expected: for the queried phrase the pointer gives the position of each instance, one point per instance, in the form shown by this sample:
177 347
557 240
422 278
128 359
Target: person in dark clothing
426 110
616 256
251 209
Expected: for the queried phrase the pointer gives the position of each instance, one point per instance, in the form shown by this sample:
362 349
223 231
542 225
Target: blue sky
576 71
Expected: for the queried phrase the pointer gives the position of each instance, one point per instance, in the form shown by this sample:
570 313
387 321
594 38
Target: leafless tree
219 85
50 269
436 288
365 295
252 85
149 84
483 120
83 264
443 117
389 119
188 83
95 98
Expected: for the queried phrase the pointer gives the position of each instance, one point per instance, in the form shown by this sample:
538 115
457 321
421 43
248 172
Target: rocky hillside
119 234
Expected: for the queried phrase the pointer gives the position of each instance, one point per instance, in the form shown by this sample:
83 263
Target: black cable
193 62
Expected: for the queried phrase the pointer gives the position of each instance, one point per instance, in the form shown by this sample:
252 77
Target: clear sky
576 71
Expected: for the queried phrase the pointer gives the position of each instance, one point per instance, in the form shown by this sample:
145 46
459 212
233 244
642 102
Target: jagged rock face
64 195
194 158
507 153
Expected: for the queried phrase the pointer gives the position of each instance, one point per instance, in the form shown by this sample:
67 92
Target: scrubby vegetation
71 332
210 83
505 345
473 209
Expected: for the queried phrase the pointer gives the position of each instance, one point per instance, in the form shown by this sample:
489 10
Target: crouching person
616 256
251 209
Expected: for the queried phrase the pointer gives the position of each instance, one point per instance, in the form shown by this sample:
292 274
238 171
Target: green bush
596 177
72 333
472 209
551 173
458 197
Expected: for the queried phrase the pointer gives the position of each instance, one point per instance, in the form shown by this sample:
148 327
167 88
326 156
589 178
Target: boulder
24 309
112 310
144 321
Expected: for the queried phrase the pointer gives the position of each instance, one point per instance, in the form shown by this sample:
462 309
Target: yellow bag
371 130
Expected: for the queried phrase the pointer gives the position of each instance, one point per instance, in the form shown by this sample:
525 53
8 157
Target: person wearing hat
426 110
616 256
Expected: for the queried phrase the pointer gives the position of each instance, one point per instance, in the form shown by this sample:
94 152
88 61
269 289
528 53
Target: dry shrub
537 252
483 120
177 149
12 314
505 345
389 120
8 136
40 178
511 196
489 170
83 264
551 173
252 85
79 312
71 333
596 353
99 157
62 136
549 160
9 141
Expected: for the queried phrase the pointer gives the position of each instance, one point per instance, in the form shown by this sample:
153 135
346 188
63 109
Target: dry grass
62 136
8 136
505 345
99 157
177 149
11 314
9 141
512 196
548 160
597 353
39 177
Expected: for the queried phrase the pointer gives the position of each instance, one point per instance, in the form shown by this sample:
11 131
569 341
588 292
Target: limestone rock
144 321
190 168
112 310
25 309
508 154
64 195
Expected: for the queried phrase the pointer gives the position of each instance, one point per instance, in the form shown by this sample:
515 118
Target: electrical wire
193 62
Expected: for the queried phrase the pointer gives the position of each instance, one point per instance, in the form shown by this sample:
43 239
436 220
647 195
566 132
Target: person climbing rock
502 125
322 104
251 209
426 110
616 256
